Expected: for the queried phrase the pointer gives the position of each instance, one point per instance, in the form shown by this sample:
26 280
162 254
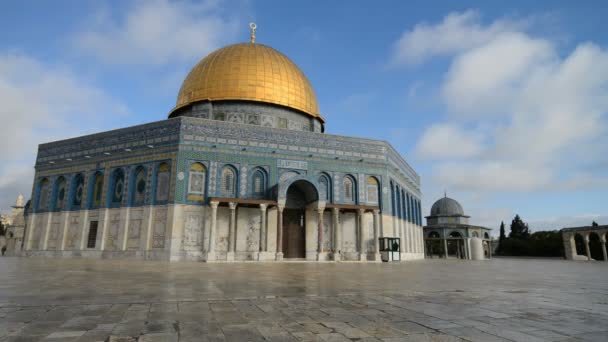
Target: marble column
211 256
337 230
320 254
603 241
362 251
279 255
445 247
231 232
263 228
587 250
377 235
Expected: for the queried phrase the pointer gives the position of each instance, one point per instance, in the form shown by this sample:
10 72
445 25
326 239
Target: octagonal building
240 170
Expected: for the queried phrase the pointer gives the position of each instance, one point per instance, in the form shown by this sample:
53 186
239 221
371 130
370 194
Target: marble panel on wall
160 225
112 234
73 238
192 239
349 236
54 235
135 229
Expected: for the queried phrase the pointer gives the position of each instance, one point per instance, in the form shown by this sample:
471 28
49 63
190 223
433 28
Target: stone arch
349 189
325 187
77 191
259 182
595 246
44 195
116 190
284 185
455 234
228 183
434 235
301 193
95 190
60 194
475 234
579 242
138 185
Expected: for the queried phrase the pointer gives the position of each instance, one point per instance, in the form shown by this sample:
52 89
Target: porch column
263 233
603 241
320 255
376 235
587 250
362 252
445 247
231 232
212 227
337 234
279 255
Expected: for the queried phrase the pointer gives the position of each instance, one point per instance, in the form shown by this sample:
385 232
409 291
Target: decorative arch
325 188
434 235
455 235
349 189
372 189
228 181
595 246
163 183
259 182
138 186
95 190
475 234
197 182
60 194
301 193
117 187
44 194
284 186
77 192
486 235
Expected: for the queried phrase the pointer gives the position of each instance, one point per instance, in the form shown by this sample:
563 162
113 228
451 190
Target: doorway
294 237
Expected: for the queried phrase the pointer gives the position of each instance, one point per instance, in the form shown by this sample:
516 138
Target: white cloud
447 141
543 115
41 103
156 32
457 32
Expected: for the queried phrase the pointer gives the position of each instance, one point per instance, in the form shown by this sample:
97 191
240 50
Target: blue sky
502 104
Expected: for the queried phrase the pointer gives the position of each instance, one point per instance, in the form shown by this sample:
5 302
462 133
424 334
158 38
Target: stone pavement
432 300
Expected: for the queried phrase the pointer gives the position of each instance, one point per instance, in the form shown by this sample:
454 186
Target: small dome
446 207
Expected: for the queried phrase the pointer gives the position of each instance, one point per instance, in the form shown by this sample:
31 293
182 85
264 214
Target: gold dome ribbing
252 72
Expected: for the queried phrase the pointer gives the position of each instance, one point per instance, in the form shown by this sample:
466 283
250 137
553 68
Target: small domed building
240 170
448 233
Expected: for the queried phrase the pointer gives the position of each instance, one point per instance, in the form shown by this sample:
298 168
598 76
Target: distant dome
446 207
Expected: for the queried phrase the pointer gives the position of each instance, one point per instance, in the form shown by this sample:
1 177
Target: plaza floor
432 300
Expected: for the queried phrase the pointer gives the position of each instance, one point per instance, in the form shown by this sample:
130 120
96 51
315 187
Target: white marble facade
181 232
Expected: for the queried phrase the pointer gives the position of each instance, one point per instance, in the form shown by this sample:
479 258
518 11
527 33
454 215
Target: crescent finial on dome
252 26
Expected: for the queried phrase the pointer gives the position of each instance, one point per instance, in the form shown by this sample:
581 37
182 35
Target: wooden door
293 234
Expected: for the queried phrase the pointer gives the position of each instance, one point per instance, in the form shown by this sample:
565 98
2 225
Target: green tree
501 238
594 224
519 229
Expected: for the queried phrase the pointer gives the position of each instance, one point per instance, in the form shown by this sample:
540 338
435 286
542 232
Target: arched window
77 191
44 194
433 235
372 189
486 235
196 182
325 187
258 183
455 235
228 181
474 234
348 187
138 186
118 187
95 190
60 194
163 182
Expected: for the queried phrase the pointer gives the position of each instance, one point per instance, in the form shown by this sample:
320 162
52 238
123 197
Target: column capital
280 207
602 239
376 211
320 210
214 204
263 206
361 211
232 205
335 210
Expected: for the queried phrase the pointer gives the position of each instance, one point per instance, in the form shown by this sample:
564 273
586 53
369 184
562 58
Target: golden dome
251 72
